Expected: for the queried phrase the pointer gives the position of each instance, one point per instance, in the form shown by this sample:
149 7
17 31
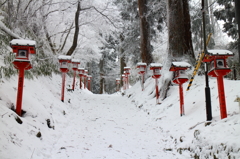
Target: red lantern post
142 68
127 73
63 60
179 78
81 75
156 67
117 84
85 78
75 64
89 77
124 81
219 68
22 62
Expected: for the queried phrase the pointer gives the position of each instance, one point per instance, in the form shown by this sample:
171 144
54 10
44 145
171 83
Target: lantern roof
64 57
81 68
89 76
180 64
126 68
117 79
75 61
141 64
156 65
220 52
22 42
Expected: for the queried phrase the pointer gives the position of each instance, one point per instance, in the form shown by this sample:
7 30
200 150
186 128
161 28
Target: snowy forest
108 35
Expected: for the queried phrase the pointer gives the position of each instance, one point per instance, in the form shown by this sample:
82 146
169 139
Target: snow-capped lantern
180 77
179 69
23 49
124 81
156 67
127 70
89 77
219 68
118 84
75 64
218 63
81 72
117 80
141 70
64 61
85 78
127 73
141 67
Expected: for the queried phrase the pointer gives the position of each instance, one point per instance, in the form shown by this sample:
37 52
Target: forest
108 35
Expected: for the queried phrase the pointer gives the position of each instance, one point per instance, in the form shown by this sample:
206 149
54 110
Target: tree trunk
144 33
237 15
179 28
75 38
122 60
179 39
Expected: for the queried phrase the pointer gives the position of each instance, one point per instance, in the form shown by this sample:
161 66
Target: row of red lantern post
83 74
218 69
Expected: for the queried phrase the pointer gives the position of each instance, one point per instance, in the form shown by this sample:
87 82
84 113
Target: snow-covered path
108 126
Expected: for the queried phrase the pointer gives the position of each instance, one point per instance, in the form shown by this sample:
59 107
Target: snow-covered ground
129 126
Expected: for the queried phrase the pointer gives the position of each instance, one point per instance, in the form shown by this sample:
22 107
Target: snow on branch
8 31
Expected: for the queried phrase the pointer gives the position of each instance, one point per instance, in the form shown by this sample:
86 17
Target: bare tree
75 38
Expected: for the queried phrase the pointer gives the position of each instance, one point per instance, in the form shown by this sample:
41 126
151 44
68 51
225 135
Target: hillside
116 126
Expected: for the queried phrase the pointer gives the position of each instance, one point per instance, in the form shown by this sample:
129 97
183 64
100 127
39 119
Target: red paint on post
181 100
63 86
74 76
156 67
20 92
22 49
157 94
219 68
221 94
80 81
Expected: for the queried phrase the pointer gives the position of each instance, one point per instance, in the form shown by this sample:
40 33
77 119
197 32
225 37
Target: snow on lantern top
64 57
213 54
141 64
76 61
179 66
117 79
157 65
220 53
22 42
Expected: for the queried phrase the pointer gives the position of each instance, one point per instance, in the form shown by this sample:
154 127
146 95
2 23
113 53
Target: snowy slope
115 126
